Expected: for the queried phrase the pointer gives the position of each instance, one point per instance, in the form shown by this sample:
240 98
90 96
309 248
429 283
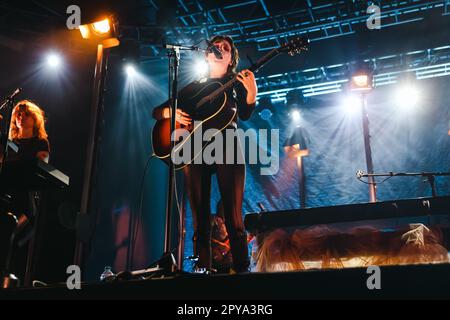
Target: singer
222 58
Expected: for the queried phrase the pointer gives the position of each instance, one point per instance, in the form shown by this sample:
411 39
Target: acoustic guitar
207 107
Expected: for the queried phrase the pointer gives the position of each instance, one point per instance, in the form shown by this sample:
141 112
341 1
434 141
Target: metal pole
368 150
431 179
182 233
174 60
100 68
302 188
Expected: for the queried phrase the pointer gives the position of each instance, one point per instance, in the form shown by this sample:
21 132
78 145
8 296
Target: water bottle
106 274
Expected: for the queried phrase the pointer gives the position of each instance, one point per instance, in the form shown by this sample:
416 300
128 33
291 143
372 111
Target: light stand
99 77
296 148
104 35
297 152
362 81
301 173
368 150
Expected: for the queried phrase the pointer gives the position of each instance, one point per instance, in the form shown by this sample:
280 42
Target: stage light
102 32
130 70
265 107
101 27
296 116
361 77
351 104
54 60
201 68
361 82
266 114
407 96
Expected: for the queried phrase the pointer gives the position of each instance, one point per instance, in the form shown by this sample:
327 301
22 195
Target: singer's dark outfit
231 180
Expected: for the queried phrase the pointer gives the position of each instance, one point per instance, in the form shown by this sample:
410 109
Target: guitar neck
254 68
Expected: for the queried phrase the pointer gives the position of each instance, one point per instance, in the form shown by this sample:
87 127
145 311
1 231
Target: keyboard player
27 131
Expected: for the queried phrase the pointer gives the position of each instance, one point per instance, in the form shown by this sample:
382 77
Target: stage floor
400 282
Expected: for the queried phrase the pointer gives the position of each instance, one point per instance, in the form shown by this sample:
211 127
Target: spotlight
407 96
54 60
102 27
130 53
103 32
201 68
351 104
130 70
296 115
362 77
266 108
266 114
361 82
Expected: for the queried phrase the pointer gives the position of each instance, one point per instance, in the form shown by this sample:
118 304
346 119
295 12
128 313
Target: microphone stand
431 177
7 104
8 279
168 261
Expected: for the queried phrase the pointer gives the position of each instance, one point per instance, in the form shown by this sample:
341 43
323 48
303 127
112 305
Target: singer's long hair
234 51
33 110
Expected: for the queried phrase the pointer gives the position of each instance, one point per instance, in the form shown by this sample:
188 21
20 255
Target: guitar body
210 115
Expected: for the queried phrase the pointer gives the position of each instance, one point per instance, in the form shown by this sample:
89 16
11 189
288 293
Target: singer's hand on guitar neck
181 117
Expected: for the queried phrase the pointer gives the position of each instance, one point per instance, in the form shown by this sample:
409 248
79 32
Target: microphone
10 98
213 49
15 93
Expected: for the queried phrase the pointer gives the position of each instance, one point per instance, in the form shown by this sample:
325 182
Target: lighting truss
328 21
423 64
252 23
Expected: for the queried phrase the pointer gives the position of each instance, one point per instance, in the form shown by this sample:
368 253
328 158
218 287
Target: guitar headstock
295 46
